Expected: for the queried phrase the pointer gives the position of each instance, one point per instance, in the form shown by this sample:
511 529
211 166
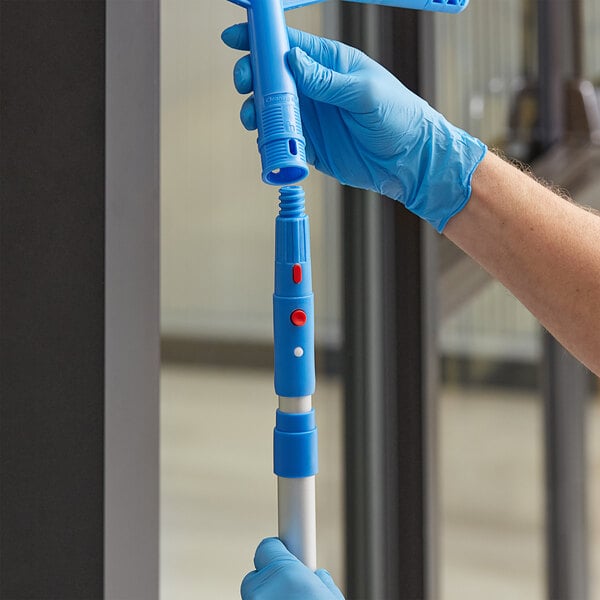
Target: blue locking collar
295 445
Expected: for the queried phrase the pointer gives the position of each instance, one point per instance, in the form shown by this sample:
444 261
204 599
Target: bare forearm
543 248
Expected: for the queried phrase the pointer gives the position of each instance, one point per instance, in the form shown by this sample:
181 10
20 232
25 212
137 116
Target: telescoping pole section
295 437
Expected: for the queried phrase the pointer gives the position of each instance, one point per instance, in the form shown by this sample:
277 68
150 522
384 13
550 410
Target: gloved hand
363 127
279 575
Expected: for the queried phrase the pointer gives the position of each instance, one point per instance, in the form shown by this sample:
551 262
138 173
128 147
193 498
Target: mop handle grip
280 140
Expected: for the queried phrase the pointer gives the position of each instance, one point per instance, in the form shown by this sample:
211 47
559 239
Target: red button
297 273
298 318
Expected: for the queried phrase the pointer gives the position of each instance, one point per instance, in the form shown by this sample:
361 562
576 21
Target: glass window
591 41
485 60
491 447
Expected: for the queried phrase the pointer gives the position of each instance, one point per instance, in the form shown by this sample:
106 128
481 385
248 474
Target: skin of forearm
543 248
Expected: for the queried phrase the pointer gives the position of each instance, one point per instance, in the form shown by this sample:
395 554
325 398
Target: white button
298 352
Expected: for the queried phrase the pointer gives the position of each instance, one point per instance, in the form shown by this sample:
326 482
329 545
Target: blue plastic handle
280 140
293 303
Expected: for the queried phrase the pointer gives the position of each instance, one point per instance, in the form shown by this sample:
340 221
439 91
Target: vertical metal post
78 300
551 70
565 381
132 348
389 361
566 393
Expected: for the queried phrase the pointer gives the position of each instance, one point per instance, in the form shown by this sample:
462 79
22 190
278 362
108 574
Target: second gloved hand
363 127
281 576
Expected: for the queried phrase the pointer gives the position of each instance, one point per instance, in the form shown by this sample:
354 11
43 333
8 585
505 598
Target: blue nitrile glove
363 127
281 576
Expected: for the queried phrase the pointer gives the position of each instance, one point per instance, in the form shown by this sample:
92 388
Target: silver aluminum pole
296 501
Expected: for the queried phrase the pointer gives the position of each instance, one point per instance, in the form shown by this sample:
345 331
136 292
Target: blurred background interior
488 413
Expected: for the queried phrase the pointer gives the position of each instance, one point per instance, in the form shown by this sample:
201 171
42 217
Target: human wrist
448 160
468 153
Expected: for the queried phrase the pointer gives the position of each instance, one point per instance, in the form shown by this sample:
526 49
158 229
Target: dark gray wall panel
51 299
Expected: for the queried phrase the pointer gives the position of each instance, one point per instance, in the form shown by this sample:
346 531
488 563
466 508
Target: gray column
78 300
565 381
132 355
566 390
390 359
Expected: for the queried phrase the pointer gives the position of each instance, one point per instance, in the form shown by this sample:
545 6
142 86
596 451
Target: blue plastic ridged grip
295 445
280 140
294 353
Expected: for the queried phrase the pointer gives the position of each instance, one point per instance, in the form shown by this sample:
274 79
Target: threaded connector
281 143
291 202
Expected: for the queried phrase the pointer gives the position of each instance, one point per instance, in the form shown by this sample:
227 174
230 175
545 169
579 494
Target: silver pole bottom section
298 518
296 501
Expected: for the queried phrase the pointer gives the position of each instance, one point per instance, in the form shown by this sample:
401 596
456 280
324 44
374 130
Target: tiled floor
218 493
